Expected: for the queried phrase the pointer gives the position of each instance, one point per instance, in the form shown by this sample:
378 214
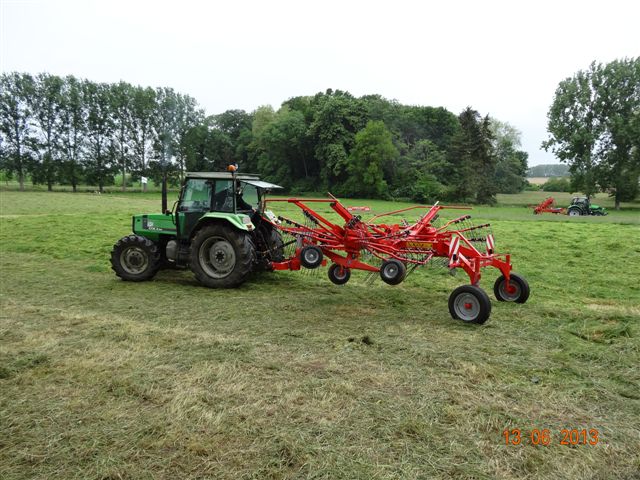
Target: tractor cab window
223 196
196 196
247 198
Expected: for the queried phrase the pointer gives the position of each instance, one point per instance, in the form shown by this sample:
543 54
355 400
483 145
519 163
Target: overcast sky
504 59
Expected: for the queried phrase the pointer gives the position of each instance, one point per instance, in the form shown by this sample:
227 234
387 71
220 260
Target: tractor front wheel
393 271
135 258
221 257
339 274
470 304
518 290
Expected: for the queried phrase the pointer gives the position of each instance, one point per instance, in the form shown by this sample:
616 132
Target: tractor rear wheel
135 258
221 257
574 212
470 304
339 274
393 271
276 246
518 290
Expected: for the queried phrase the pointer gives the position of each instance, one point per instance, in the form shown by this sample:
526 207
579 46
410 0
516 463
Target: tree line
73 131
594 127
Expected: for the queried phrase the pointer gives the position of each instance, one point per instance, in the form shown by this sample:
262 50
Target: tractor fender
238 221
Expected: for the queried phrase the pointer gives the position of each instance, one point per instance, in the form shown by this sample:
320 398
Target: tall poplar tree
16 92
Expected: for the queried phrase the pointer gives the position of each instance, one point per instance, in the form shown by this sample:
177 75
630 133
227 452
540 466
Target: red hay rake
395 250
547 206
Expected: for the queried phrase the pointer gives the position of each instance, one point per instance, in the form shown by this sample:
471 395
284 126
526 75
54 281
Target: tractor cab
222 192
207 195
582 206
580 201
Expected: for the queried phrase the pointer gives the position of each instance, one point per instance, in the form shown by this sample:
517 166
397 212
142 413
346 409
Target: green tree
592 127
618 107
372 150
236 125
472 159
337 119
47 104
574 128
143 108
121 95
262 117
73 123
206 148
175 115
557 184
511 162
282 159
421 173
16 92
99 153
436 124
232 123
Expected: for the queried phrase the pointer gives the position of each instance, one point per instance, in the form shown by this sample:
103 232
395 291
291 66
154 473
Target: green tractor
216 229
582 206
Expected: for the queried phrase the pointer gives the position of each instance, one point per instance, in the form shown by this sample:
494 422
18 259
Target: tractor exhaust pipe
164 193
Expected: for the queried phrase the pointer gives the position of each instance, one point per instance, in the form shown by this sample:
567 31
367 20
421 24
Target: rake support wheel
393 271
518 290
311 256
470 304
339 274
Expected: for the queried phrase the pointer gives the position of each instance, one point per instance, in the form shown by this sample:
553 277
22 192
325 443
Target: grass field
290 376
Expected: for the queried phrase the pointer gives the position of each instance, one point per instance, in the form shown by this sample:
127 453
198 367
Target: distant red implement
547 206
359 209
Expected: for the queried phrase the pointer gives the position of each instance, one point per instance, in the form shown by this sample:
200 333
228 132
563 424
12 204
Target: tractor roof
250 178
223 175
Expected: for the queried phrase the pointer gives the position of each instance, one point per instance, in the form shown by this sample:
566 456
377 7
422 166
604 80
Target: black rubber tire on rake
339 274
470 304
311 256
519 296
393 271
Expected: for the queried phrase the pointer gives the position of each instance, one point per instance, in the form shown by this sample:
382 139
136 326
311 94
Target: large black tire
311 256
276 246
520 286
135 258
574 212
221 256
339 274
470 304
393 271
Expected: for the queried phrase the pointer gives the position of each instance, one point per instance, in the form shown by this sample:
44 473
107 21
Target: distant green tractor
582 206
216 229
